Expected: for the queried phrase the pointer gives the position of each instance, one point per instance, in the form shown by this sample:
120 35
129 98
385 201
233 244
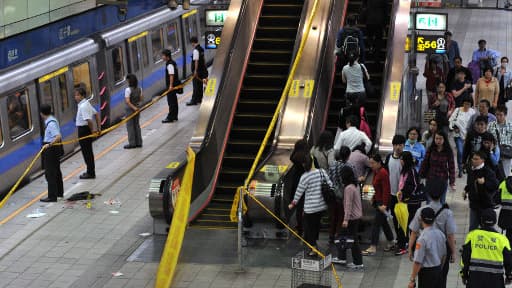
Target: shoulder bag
327 191
505 150
368 87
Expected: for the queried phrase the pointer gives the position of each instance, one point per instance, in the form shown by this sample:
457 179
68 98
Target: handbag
505 150
327 191
368 87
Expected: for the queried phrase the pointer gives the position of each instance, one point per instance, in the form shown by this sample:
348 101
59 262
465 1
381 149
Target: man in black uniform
485 255
51 155
199 70
171 81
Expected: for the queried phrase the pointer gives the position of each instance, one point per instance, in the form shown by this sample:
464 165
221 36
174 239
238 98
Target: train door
54 90
190 28
82 76
138 57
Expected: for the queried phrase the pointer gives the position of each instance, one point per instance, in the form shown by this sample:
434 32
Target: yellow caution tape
103 132
172 247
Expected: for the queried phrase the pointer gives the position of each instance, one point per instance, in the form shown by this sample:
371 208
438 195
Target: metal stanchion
240 227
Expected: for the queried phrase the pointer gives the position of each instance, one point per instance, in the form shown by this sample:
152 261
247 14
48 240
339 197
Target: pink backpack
363 125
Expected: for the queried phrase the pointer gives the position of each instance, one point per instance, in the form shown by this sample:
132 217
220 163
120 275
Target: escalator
264 80
375 66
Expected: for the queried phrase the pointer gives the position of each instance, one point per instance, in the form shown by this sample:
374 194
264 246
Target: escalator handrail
284 95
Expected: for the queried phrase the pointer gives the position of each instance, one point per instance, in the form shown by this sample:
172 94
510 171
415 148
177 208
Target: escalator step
245 132
267 55
260 92
276 80
278 20
254 120
272 32
268 67
282 9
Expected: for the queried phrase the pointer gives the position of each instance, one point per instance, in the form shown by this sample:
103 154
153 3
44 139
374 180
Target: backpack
135 96
363 125
350 41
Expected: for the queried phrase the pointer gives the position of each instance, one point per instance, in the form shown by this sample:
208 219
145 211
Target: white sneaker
336 260
354 266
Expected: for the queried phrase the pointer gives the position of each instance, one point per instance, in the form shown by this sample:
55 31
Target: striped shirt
504 131
310 184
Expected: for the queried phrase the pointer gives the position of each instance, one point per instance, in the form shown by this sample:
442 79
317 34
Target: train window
172 38
63 90
117 64
156 40
1 135
193 27
145 56
18 113
82 77
47 94
135 56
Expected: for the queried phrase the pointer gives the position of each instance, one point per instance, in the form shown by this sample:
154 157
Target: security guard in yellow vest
485 254
505 219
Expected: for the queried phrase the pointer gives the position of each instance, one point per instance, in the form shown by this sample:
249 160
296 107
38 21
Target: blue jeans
459 144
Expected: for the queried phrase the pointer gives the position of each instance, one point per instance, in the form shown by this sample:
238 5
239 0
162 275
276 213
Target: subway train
98 63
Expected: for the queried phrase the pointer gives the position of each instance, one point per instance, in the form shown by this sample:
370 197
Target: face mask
504 65
412 142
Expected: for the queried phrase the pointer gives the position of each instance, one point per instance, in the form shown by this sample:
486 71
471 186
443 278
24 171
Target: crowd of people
467 108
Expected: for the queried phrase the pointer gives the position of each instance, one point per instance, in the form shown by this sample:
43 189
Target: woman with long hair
428 136
443 104
323 151
353 214
439 165
409 192
299 154
353 75
413 145
310 185
133 98
380 202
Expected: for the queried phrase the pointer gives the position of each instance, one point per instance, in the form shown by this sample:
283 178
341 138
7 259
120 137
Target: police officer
51 155
84 122
443 221
505 219
484 255
429 253
171 81
199 70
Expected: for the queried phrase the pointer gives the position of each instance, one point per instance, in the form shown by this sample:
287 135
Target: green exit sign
215 17
431 21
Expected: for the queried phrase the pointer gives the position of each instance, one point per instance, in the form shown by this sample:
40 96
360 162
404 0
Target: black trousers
380 220
429 277
197 95
401 238
479 279
312 227
445 267
374 34
351 231
86 146
52 172
172 101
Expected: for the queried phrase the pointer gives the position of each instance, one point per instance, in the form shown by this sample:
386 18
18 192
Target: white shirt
195 54
461 119
354 76
170 69
127 92
351 138
84 112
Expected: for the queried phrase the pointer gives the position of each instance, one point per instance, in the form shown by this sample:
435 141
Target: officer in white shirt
84 122
200 72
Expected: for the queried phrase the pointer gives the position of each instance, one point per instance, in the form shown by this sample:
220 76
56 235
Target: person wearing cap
444 221
429 254
452 48
171 81
485 255
480 187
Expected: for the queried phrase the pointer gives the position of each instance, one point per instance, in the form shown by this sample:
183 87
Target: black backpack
350 41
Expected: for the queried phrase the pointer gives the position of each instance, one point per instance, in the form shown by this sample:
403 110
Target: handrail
283 95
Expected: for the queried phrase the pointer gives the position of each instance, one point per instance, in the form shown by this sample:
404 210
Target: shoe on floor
129 146
336 260
191 103
389 247
400 252
354 266
48 200
369 252
460 174
138 146
87 176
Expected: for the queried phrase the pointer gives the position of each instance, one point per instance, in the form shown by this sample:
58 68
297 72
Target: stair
263 84
375 66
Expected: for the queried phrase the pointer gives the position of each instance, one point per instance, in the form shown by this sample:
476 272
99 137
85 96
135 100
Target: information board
431 21
212 39
215 17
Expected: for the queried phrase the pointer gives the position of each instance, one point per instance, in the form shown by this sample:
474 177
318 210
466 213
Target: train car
99 63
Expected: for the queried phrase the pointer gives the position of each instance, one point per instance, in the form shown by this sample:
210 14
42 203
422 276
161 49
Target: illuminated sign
215 17
212 39
431 21
427 44
428 3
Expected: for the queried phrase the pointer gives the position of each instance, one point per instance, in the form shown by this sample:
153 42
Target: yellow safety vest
506 197
487 251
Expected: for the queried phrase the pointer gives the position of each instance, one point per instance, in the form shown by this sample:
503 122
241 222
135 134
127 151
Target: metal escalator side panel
223 103
394 66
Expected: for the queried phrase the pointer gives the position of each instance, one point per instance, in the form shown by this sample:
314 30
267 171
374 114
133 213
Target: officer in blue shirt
51 155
